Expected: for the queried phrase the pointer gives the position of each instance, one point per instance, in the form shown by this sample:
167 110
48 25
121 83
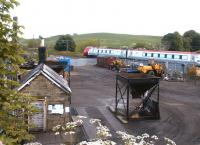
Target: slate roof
49 74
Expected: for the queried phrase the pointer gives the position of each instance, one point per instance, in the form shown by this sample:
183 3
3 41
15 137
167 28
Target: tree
187 43
193 40
178 45
65 42
14 106
142 45
173 41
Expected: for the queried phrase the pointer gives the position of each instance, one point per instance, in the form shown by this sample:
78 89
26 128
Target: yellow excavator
152 69
117 64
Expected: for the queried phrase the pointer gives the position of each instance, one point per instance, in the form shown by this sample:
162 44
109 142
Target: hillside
107 39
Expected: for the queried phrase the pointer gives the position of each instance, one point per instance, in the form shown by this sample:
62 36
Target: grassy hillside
103 39
107 39
118 40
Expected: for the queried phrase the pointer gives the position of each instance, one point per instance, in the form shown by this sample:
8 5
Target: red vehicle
85 51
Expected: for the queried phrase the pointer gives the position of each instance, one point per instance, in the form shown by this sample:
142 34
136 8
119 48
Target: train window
165 55
177 56
158 55
151 54
169 56
98 51
101 51
155 55
184 57
109 51
162 55
105 51
145 54
172 56
180 56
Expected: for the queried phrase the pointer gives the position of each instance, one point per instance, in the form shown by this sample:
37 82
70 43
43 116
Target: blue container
66 61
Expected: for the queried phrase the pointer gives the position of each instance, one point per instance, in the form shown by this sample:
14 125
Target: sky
136 17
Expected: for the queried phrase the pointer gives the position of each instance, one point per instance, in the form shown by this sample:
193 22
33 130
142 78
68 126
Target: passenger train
142 54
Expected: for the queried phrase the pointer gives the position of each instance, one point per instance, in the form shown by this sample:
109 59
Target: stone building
53 97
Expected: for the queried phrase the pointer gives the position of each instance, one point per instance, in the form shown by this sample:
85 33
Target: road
93 89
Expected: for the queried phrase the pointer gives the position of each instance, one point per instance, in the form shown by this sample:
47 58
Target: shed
53 97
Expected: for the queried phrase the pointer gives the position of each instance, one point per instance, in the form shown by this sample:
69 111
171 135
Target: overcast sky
137 17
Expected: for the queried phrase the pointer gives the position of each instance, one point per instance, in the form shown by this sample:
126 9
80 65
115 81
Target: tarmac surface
93 89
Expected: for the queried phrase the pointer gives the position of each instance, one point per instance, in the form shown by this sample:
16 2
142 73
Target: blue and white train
142 54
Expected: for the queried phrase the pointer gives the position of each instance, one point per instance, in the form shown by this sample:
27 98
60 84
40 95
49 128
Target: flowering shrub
98 142
145 139
33 143
103 133
169 141
96 122
68 128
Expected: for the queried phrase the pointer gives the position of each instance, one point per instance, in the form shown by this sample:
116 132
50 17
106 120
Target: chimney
42 51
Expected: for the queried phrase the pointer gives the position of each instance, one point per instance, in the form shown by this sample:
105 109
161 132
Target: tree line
190 41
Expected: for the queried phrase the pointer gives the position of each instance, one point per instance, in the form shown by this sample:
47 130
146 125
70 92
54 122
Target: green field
107 39
119 40
103 39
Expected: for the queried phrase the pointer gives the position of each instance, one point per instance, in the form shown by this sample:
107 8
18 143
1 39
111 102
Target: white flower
169 141
145 135
139 137
79 122
92 121
72 132
154 137
83 143
98 142
81 117
57 133
33 143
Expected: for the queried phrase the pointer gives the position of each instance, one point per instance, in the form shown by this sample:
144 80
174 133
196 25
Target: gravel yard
93 89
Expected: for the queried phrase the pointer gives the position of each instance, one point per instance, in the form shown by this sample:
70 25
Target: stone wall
42 88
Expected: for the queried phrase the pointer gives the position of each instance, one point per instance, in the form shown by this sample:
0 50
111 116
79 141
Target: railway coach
173 56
